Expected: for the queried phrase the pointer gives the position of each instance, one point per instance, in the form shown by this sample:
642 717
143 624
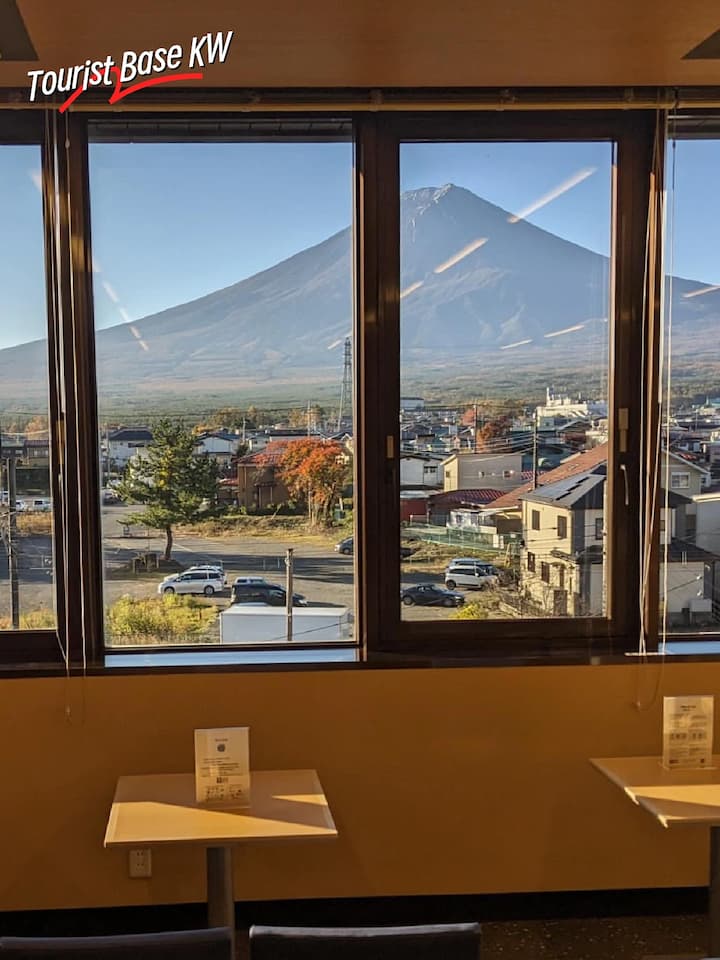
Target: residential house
220 445
595 458
562 559
690 593
258 481
126 443
440 505
418 470
27 451
465 470
683 474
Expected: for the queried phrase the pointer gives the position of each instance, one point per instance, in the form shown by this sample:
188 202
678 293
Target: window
498 257
225 379
688 566
27 564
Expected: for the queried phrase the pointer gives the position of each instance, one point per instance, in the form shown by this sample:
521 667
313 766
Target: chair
455 941
212 944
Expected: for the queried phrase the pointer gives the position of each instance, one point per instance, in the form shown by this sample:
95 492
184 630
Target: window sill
347 657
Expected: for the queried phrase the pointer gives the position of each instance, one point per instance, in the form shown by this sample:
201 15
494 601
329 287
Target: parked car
206 582
430 595
209 567
33 504
471 573
259 590
346 547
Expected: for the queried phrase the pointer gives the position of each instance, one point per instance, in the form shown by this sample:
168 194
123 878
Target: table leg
221 906
714 893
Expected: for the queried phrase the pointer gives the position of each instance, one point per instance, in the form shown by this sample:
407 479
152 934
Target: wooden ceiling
392 43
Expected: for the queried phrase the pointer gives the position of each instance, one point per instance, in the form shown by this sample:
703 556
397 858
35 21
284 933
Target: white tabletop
161 809
674 797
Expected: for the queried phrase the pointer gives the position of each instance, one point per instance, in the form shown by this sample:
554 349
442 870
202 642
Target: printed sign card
222 766
687 732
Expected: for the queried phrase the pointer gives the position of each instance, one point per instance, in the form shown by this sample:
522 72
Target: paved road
323 576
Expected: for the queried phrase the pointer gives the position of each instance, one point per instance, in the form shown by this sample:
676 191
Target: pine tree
171 480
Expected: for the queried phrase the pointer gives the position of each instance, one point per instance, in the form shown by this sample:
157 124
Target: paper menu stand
687 732
222 766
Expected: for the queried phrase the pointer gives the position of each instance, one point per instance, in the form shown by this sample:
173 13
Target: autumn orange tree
315 471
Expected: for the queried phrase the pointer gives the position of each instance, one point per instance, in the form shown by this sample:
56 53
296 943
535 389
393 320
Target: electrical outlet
140 863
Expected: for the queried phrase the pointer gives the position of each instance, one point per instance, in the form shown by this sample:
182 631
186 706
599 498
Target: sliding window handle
624 471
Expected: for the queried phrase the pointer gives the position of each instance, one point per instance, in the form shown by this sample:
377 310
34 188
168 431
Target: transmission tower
346 389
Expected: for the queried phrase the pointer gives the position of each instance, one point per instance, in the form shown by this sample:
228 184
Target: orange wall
441 781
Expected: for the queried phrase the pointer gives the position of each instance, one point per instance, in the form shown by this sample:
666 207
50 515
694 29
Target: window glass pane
27 577
505 306
224 319
689 552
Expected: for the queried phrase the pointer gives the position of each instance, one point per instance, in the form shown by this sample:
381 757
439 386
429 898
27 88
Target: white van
207 582
472 573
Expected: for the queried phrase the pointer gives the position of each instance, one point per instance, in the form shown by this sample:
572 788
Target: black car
429 595
263 592
346 547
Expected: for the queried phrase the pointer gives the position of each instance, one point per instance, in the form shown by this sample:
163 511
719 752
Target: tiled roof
580 463
472 497
270 455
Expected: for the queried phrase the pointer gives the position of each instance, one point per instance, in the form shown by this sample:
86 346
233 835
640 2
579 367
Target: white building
470 471
421 470
220 445
558 409
124 444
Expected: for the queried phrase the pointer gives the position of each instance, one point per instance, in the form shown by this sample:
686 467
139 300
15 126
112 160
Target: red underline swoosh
118 94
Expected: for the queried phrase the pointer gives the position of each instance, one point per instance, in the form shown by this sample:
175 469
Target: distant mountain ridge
476 288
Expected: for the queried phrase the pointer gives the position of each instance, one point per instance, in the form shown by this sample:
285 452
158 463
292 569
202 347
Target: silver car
466 572
206 582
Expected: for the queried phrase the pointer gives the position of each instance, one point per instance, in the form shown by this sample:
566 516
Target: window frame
635 136
42 646
377 138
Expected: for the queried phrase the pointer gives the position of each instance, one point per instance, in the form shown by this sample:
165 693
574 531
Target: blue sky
172 222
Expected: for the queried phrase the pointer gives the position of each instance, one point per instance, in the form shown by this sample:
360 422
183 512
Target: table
158 809
676 798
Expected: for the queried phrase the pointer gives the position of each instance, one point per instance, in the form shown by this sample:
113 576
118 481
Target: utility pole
535 451
475 429
11 463
289 592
